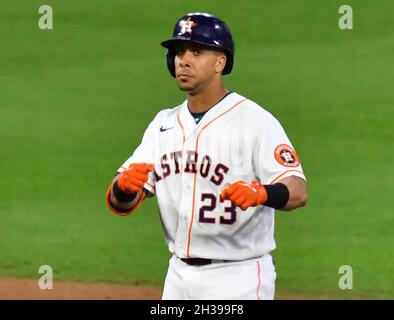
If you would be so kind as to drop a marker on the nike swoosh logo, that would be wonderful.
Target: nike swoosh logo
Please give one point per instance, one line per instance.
(165, 129)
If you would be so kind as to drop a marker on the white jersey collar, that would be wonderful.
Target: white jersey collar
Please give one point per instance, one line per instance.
(187, 121)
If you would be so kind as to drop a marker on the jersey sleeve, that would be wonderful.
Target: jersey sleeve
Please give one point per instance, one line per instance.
(145, 153)
(274, 156)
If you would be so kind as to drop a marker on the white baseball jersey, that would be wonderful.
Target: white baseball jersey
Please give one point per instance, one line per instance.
(235, 140)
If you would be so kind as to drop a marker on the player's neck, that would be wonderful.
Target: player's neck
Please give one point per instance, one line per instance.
(204, 100)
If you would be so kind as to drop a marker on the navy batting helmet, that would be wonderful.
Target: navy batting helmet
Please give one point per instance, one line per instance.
(202, 28)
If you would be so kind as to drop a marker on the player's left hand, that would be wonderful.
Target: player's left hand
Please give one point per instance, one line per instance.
(244, 194)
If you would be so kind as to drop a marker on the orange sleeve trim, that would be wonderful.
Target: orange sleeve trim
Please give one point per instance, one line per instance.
(282, 174)
(150, 185)
(122, 214)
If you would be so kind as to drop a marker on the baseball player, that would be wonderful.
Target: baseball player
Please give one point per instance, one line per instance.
(219, 165)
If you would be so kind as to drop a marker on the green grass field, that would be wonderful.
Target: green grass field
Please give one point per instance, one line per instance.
(74, 102)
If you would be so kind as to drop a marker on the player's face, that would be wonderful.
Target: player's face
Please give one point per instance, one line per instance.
(196, 66)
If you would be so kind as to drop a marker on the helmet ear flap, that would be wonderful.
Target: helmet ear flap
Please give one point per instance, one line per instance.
(229, 64)
(171, 61)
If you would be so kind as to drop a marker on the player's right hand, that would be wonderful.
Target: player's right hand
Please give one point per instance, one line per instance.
(134, 177)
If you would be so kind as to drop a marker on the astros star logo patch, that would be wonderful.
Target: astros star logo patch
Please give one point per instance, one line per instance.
(187, 25)
(286, 156)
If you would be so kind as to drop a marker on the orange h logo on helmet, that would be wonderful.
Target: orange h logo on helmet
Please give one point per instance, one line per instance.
(187, 25)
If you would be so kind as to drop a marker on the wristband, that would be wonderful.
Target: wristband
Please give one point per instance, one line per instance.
(277, 195)
(122, 196)
(119, 210)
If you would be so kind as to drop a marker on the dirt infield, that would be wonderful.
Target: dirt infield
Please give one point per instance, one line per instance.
(27, 289)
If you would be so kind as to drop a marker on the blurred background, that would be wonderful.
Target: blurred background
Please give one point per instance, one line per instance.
(75, 101)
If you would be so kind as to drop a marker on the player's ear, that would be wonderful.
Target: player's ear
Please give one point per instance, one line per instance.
(220, 63)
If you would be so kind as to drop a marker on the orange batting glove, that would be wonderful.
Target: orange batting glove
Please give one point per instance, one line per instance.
(134, 177)
(244, 194)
